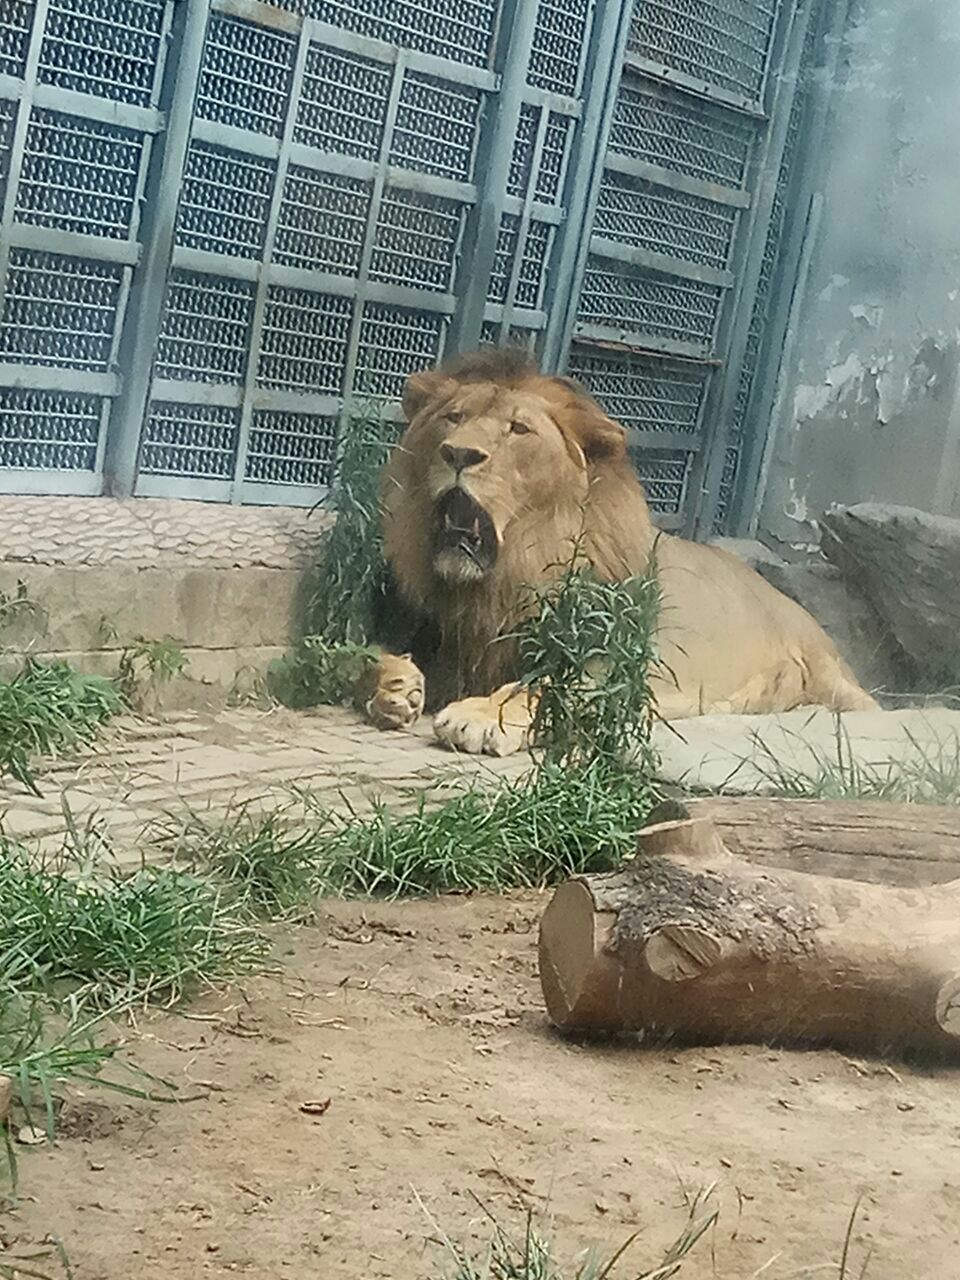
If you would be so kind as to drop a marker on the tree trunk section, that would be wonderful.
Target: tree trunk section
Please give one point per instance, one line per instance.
(690, 941)
(910, 845)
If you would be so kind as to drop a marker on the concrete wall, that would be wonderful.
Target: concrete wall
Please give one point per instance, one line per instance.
(869, 403)
(228, 584)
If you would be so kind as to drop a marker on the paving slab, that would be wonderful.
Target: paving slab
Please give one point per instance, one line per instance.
(140, 771)
(748, 754)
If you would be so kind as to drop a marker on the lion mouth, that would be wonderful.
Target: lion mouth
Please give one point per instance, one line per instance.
(464, 537)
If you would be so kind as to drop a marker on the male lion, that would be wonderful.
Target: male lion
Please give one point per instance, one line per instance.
(500, 472)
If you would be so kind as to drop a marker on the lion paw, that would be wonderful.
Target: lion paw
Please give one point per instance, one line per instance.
(392, 692)
(492, 726)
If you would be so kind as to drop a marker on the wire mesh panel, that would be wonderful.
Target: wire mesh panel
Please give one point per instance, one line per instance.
(720, 43)
(69, 240)
(537, 199)
(661, 403)
(672, 219)
(344, 181)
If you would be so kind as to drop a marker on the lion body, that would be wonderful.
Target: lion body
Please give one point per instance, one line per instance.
(501, 473)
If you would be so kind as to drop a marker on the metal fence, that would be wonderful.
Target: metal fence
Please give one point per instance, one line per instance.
(222, 221)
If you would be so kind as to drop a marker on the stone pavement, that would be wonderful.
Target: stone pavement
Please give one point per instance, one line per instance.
(142, 770)
(746, 754)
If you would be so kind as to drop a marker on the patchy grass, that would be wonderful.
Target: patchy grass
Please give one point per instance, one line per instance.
(146, 666)
(318, 673)
(589, 652)
(110, 937)
(350, 570)
(529, 1255)
(46, 709)
(556, 824)
(933, 777)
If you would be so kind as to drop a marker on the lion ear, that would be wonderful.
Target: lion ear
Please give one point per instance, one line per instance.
(597, 437)
(420, 389)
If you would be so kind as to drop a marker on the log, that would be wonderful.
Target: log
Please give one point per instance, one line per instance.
(691, 941)
(902, 844)
(907, 565)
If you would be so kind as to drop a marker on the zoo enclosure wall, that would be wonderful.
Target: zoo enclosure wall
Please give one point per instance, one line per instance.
(225, 224)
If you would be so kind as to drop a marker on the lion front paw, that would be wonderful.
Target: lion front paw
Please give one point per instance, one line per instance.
(392, 692)
(494, 726)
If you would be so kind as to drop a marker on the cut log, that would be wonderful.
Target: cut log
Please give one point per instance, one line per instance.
(907, 564)
(898, 844)
(691, 941)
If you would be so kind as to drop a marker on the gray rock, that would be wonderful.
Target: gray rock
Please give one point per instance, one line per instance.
(907, 565)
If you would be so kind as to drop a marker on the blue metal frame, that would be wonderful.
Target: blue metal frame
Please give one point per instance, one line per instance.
(329, 205)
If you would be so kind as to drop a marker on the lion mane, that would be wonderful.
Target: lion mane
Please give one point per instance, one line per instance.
(502, 471)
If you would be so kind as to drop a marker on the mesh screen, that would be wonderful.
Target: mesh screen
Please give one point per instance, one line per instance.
(59, 311)
(664, 477)
(343, 103)
(766, 292)
(224, 201)
(458, 29)
(108, 48)
(15, 36)
(722, 42)
(436, 127)
(664, 221)
(322, 221)
(416, 240)
(78, 175)
(199, 441)
(8, 115)
(304, 342)
(395, 342)
(246, 76)
(642, 392)
(661, 127)
(559, 45)
(618, 296)
(292, 448)
(205, 328)
(49, 430)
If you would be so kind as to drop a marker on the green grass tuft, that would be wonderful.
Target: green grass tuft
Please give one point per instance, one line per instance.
(556, 824)
(932, 777)
(318, 673)
(589, 652)
(529, 1255)
(114, 937)
(48, 708)
(350, 571)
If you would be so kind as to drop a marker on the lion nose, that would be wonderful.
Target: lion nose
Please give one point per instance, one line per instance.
(462, 458)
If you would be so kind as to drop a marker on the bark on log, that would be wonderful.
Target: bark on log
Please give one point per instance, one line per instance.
(898, 844)
(907, 564)
(693, 942)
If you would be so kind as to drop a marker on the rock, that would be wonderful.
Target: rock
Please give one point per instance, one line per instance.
(907, 565)
(863, 639)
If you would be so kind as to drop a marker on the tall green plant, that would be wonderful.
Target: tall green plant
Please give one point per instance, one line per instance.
(590, 652)
(351, 568)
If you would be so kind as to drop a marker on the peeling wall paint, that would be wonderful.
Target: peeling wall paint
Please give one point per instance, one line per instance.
(871, 411)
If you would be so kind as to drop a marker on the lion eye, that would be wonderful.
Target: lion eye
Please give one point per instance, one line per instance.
(519, 429)
(454, 418)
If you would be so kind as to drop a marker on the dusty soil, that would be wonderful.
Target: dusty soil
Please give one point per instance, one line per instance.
(422, 1025)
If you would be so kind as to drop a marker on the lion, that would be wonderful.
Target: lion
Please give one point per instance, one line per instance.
(500, 472)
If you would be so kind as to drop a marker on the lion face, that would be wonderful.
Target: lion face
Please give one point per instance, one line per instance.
(489, 457)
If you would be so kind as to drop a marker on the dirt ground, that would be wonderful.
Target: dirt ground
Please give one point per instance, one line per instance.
(422, 1024)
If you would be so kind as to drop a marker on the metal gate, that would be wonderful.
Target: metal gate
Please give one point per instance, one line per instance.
(225, 221)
